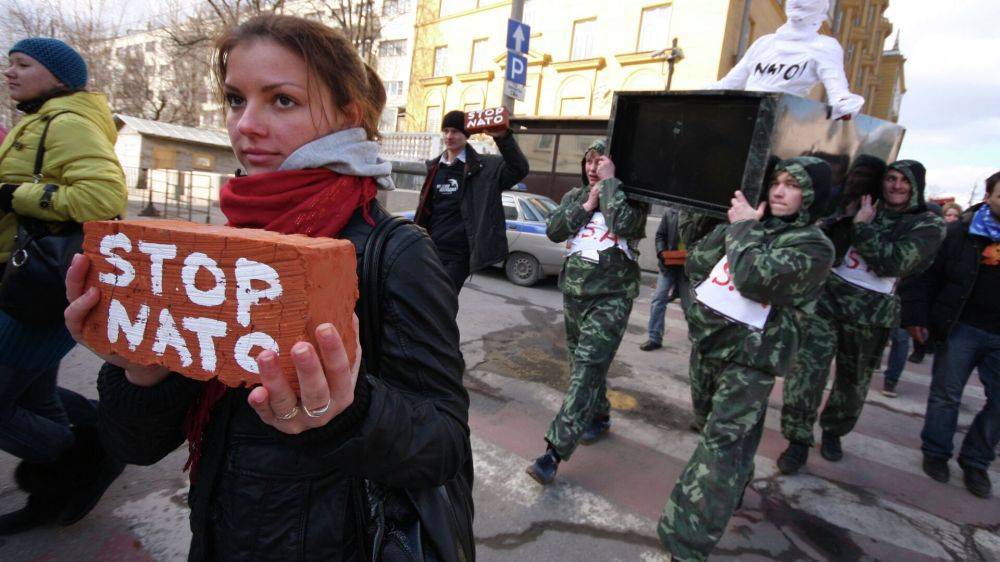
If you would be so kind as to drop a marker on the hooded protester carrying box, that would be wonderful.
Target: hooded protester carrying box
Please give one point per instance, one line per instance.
(693, 149)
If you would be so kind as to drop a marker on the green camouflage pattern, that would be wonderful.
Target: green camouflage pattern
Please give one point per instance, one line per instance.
(707, 492)
(780, 263)
(857, 348)
(733, 366)
(614, 273)
(852, 324)
(594, 329)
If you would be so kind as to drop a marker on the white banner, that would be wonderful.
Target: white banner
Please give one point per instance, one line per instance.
(718, 293)
(595, 237)
(855, 271)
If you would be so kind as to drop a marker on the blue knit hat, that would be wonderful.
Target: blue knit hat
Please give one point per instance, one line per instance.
(62, 60)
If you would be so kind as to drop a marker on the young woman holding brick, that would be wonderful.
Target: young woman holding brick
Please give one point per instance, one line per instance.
(274, 474)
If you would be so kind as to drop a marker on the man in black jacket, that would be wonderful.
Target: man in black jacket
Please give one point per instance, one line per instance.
(460, 202)
(959, 309)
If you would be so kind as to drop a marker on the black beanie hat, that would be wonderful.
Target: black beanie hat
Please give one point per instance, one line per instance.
(456, 120)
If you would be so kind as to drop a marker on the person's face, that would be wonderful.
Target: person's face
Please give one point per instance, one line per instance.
(785, 196)
(896, 190)
(28, 79)
(590, 166)
(454, 140)
(951, 215)
(993, 200)
(273, 107)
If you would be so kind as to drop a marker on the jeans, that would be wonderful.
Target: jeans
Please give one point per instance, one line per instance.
(967, 348)
(35, 415)
(898, 352)
(658, 308)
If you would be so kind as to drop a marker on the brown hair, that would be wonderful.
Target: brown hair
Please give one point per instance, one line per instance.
(328, 55)
(950, 206)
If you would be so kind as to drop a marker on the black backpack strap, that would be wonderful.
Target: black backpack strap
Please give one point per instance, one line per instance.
(40, 154)
(370, 306)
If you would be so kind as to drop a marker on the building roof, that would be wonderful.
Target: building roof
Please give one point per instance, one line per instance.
(173, 132)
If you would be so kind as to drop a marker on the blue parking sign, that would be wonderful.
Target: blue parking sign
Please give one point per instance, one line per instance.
(517, 68)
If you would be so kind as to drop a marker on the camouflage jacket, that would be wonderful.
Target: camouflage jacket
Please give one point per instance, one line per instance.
(895, 244)
(783, 264)
(615, 272)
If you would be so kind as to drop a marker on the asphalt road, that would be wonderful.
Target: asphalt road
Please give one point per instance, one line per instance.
(876, 504)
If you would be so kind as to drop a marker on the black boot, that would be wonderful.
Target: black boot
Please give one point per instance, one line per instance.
(44, 502)
(93, 469)
(937, 468)
(543, 470)
(595, 430)
(794, 458)
(830, 448)
(977, 480)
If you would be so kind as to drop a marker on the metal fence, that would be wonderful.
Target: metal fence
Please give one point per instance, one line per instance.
(178, 194)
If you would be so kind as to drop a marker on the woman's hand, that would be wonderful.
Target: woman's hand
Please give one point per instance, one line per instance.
(605, 168)
(867, 210)
(593, 198)
(80, 304)
(326, 383)
(742, 211)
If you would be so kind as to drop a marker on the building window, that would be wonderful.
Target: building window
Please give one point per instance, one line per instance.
(441, 61)
(393, 8)
(432, 121)
(849, 55)
(151, 46)
(479, 60)
(654, 28)
(528, 16)
(838, 21)
(584, 37)
(393, 88)
(394, 48)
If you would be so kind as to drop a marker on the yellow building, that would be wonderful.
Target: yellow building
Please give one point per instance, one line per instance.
(581, 51)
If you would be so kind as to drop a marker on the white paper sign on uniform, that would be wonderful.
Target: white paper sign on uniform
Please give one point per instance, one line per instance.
(595, 237)
(855, 271)
(719, 294)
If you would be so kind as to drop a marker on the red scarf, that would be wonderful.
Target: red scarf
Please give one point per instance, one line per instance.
(316, 202)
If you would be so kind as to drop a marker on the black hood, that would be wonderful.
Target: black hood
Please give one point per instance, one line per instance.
(917, 175)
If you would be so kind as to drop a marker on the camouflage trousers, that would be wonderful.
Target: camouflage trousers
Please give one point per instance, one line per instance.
(705, 496)
(594, 329)
(857, 349)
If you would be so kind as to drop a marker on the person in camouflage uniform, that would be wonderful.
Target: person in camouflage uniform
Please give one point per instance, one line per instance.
(599, 280)
(896, 238)
(775, 255)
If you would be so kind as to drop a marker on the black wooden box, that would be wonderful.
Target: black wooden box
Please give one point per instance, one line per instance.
(692, 149)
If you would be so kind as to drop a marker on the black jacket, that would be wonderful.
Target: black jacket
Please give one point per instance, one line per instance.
(667, 237)
(486, 177)
(937, 298)
(259, 494)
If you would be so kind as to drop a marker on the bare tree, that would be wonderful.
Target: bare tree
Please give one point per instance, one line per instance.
(358, 19)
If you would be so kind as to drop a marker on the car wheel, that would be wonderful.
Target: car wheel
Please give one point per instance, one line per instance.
(523, 269)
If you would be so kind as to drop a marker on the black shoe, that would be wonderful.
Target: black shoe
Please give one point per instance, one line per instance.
(650, 345)
(597, 428)
(543, 470)
(793, 458)
(937, 469)
(830, 448)
(889, 389)
(91, 469)
(916, 357)
(38, 512)
(976, 480)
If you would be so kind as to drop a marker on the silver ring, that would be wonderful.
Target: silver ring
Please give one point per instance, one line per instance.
(291, 414)
(318, 411)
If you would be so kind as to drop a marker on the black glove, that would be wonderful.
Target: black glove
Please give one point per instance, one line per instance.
(7, 197)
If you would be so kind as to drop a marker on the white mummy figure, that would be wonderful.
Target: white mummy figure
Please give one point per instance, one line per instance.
(794, 59)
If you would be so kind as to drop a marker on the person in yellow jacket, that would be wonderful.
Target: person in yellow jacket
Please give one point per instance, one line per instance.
(65, 470)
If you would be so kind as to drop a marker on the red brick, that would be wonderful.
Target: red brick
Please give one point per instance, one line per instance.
(317, 276)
